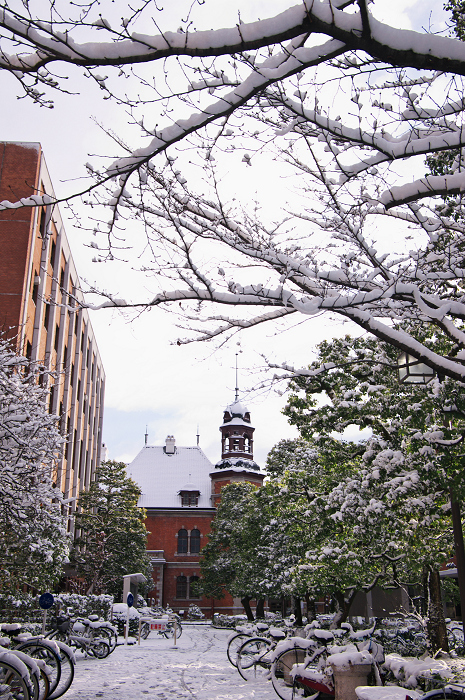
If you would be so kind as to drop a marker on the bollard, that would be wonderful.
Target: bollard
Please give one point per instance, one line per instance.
(350, 670)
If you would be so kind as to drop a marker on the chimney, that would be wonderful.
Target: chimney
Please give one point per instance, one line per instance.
(170, 442)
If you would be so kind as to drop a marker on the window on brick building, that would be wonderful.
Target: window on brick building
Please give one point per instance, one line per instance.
(189, 498)
(52, 253)
(42, 220)
(183, 541)
(35, 286)
(195, 541)
(46, 316)
(181, 587)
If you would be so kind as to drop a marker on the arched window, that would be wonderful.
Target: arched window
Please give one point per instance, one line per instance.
(181, 587)
(192, 592)
(182, 542)
(195, 541)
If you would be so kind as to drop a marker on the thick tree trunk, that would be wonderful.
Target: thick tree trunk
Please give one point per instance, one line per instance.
(435, 621)
(343, 603)
(298, 612)
(260, 611)
(311, 608)
(248, 610)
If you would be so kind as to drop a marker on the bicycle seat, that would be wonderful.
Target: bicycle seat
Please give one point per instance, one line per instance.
(276, 633)
(261, 626)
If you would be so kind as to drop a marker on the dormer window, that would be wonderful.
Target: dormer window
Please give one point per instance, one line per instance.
(189, 498)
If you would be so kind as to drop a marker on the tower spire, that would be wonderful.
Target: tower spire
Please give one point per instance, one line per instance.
(146, 434)
(237, 382)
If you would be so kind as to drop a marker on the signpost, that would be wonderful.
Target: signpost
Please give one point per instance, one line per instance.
(130, 603)
(46, 601)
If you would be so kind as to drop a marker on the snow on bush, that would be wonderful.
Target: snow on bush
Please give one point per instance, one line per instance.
(25, 609)
(194, 612)
(119, 617)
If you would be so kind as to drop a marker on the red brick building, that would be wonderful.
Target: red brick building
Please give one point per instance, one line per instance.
(39, 311)
(180, 489)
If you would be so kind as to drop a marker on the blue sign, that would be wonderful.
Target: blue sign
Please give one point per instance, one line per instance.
(130, 600)
(46, 601)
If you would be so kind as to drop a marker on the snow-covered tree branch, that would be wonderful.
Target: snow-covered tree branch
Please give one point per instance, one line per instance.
(340, 106)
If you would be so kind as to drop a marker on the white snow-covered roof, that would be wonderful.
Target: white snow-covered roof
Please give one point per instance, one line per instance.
(237, 407)
(236, 421)
(238, 464)
(162, 476)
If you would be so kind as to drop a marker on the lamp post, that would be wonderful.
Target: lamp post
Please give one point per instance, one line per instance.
(413, 371)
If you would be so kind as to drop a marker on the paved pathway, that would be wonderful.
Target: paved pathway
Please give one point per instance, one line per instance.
(197, 670)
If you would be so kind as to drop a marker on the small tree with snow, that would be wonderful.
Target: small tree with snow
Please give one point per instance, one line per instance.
(33, 537)
(112, 537)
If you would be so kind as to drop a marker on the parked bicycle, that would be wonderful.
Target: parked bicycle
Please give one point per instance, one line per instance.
(254, 656)
(168, 632)
(52, 661)
(241, 635)
(15, 680)
(91, 637)
(300, 669)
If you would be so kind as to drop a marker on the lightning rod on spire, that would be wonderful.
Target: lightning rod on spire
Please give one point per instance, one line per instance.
(237, 382)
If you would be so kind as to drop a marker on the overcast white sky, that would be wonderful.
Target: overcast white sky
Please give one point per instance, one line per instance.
(149, 381)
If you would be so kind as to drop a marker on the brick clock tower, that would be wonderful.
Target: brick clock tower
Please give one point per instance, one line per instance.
(237, 462)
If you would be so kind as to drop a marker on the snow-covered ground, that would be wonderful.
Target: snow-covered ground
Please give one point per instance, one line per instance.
(197, 669)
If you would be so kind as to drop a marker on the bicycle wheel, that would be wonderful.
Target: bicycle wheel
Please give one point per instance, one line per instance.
(44, 681)
(169, 632)
(145, 630)
(253, 659)
(47, 652)
(234, 645)
(14, 681)
(36, 691)
(67, 661)
(111, 637)
(281, 675)
(100, 649)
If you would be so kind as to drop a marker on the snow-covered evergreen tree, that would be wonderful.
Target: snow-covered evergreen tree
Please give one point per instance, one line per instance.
(112, 537)
(33, 536)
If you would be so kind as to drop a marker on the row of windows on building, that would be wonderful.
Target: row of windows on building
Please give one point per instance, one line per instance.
(185, 587)
(189, 544)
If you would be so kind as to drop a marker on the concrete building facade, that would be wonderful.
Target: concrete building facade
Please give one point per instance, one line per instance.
(40, 312)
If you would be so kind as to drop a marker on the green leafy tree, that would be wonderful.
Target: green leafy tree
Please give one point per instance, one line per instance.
(339, 554)
(112, 536)
(33, 540)
(230, 548)
(394, 505)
